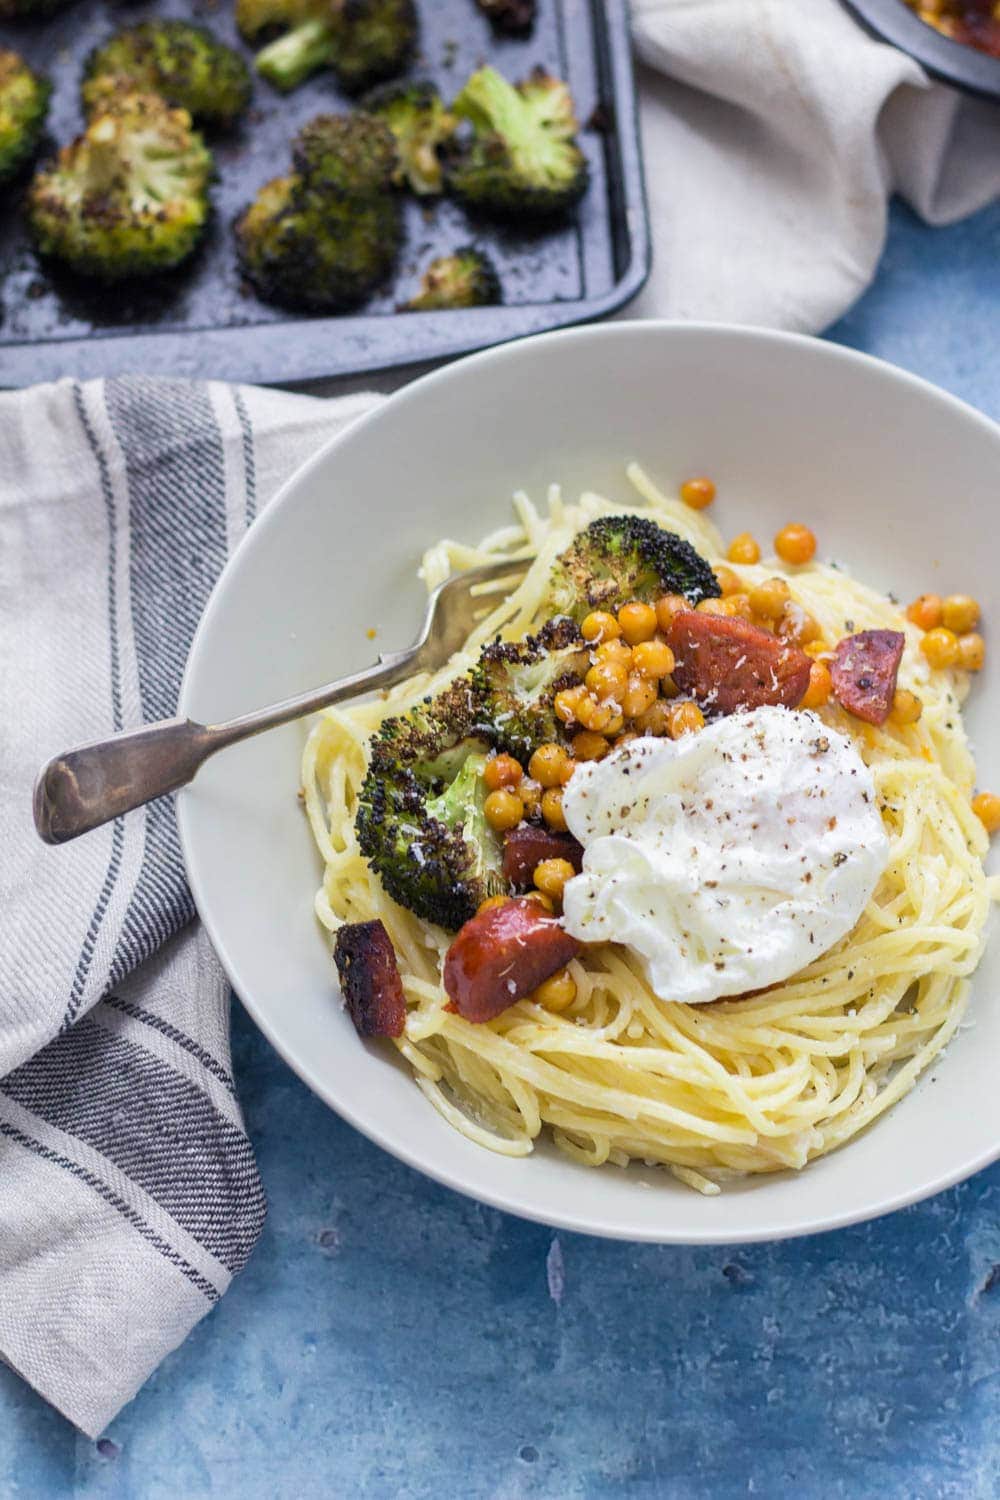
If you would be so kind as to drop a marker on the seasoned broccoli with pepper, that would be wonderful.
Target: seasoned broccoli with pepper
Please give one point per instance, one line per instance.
(24, 103)
(466, 278)
(620, 558)
(326, 235)
(515, 683)
(421, 822)
(521, 158)
(417, 117)
(363, 41)
(184, 64)
(420, 819)
(129, 196)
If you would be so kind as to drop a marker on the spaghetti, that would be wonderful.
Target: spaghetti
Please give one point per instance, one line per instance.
(749, 1085)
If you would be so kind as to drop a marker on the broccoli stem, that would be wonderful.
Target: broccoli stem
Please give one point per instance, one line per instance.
(289, 60)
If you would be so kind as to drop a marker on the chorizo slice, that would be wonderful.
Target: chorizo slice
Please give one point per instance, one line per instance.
(503, 954)
(728, 664)
(864, 671)
(526, 846)
(370, 979)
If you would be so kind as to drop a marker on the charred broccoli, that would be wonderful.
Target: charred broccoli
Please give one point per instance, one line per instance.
(363, 41)
(24, 102)
(514, 684)
(510, 17)
(619, 558)
(522, 157)
(351, 154)
(326, 235)
(420, 819)
(129, 196)
(182, 63)
(466, 278)
(417, 117)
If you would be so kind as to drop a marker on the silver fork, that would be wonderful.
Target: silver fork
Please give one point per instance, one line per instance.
(88, 786)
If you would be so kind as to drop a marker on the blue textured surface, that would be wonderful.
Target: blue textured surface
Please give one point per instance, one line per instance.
(392, 1339)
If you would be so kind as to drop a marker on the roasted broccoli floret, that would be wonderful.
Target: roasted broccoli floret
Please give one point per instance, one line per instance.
(521, 158)
(182, 63)
(24, 102)
(326, 235)
(619, 558)
(420, 820)
(417, 117)
(515, 683)
(363, 41)
(129, 196)
(466, 278)
(351, 154)
(510, 17)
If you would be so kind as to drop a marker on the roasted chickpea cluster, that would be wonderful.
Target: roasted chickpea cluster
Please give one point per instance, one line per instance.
(950, 637)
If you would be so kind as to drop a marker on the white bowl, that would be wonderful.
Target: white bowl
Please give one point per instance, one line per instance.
(898, 480)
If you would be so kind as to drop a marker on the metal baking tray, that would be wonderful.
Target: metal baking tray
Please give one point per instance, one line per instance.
(202, 320)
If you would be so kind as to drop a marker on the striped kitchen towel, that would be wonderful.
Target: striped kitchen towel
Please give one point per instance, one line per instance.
(129, 1194)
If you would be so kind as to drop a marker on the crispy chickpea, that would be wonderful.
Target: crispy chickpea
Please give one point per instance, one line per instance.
(501, 771)
(607, 679)
(653, 659)
(552, 809)
(906, 707)
(616, 650)
(593, 715)
(599, 625)
(795, 544)
(960, 613)
(547, 764)
(698, 493)
(551, 875)
(714, 607)
(925, 611)
(668, 687)
(940, 646)
(503, 810)
(530, 793)
(971, 652)
(740, 606)
(615, 726)
(542, 900)
(640, 694)
(566, 702)
(820, 686)
(744, 549)
(768, 599)
(987, 809)
(668, 606)
(728, 581)
(625, 739)
(638, 622)
(685, 718)
(656, 719)
(590, 746)
(798, 625)
(557, 992)
(491, 902)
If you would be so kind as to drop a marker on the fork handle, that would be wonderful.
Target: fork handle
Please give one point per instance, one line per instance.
(86, 787)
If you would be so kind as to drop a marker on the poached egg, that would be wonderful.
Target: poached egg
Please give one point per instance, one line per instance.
(729, 859)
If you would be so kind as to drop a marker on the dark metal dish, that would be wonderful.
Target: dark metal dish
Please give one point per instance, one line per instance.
(950, 61)
(202, 320)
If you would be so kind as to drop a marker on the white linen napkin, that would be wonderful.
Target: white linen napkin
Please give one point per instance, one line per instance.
(774, 131)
